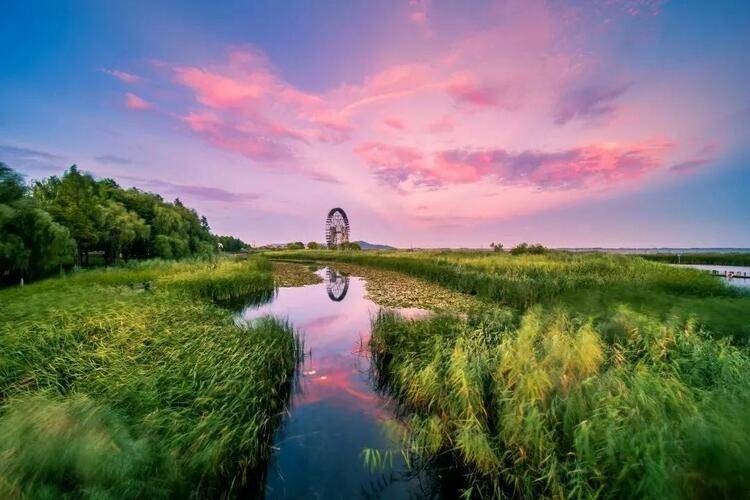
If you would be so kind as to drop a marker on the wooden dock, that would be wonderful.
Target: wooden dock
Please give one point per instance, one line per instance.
(730, 275)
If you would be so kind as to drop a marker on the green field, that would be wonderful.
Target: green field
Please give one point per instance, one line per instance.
(132, 382)
(583, 375)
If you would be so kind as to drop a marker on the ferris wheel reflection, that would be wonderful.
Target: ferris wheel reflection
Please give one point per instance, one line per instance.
(337, 285)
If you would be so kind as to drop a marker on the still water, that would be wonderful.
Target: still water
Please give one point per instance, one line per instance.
(335, 413)
(738, 270)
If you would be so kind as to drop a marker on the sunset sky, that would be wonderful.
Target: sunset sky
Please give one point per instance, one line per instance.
(432, 123)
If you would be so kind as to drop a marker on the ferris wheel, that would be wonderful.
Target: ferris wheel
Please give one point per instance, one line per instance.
(337, 228)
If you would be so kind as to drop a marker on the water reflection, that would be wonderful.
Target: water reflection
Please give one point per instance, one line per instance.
(335, 411)
(337, 285)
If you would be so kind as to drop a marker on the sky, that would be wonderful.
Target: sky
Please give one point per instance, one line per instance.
(597, 123)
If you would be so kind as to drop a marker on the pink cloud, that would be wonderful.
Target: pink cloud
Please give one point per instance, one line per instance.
(419, 12)
(250, 110)
(132, 101)
(443, 124)
(394, 164)
(395, 123)
(465, 92)
(396, 82)
(122, 75)
(255, 140)
(599, 164)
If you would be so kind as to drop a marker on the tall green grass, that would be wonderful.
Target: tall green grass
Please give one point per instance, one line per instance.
(709, 258)
(591, 282)
(585, 375)
(523, 280)
(132, 383)
(550, 403)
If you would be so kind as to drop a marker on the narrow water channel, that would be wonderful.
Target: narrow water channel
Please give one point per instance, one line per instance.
(335, 412)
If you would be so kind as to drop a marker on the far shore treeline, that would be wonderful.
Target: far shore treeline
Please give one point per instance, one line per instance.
(75, 219)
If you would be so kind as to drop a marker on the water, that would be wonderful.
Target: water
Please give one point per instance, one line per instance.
(745, 283)
(335, 413)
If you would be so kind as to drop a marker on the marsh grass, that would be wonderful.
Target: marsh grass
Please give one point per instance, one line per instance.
(709, 258)
(551, 403)
(132, 382)
(594, 282)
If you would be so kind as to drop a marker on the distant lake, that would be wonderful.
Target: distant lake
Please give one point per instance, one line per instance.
(745, 283)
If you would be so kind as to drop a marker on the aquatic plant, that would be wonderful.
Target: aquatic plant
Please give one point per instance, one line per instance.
(550, 403)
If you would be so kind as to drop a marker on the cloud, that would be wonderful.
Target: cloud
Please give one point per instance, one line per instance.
(393, 165)
(257, 140)
(598, 164)
(206, 193)
(30, 159)
(642, 7)
(122, 75)
(418, 11)
(394, 123)
(443, 124)
(132, 101)
(419, 15)
(464, 89)
(113, 160)
(689, 166)
(593, 101)
(246, 108)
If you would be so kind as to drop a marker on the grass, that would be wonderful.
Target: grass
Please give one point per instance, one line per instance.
(584, 375)
(131, 382)
(708, 258)
(548, 403)
(590, 283)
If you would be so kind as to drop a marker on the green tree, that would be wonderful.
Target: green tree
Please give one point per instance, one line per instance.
(32, 245)
(119, 229)
(231, 244)
(72, 200)
(314, 245)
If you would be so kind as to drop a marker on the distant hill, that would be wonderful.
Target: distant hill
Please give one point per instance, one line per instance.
(373, 246)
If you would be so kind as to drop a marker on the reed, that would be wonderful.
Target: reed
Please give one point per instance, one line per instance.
(549, 403)
(132, 382)
(709, 258)
(590, 283)
(582, 375)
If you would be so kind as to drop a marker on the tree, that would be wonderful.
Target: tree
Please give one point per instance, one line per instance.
(314, 245)
(496, 247)
(12, 187)
(525, 248)
(350, 245)
(296, 245)
(73, 202)
(119, 229)
(32, 245)
(231, 244)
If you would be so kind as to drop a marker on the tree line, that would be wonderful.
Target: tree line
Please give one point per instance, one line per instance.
(62, 221)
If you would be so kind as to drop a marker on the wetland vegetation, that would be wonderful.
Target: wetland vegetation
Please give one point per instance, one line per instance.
(555, 375)
(576, 375)
(131, 382)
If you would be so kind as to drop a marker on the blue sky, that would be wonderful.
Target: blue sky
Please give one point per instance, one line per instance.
(617, 123)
